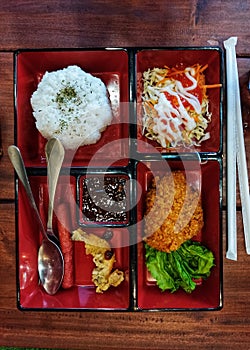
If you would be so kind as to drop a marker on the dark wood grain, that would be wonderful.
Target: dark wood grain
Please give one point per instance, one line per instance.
(78, 23)
(7, 124)
(81, 23)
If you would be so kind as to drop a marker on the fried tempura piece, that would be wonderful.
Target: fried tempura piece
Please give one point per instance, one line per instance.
(103, 275)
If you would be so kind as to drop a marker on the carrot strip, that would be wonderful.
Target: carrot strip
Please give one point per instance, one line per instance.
(162, 81)
(211, 86)
(203, 68)
(149, 104)
(176, 72)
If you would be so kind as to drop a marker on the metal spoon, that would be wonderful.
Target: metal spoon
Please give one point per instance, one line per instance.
(54, 155)
(54, 152)
(50, 258)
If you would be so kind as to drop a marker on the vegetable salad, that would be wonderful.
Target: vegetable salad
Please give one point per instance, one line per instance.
(175, 105)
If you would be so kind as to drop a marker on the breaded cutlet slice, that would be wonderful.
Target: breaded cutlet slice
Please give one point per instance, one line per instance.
(173, 213)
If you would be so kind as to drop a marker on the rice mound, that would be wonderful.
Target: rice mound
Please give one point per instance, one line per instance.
(71, 105)
(159, 227)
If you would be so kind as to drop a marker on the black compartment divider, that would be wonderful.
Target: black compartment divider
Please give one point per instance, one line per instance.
(133, 246)
(133, 162)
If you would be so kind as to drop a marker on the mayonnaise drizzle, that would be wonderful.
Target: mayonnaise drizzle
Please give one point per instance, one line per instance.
(172, 119)
(167, 120)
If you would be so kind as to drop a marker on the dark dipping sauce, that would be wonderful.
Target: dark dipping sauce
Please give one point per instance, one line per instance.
(104, 199)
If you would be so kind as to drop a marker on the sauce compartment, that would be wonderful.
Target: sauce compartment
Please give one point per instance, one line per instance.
(104, 199)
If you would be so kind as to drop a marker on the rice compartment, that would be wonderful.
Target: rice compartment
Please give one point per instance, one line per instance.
(71, 105)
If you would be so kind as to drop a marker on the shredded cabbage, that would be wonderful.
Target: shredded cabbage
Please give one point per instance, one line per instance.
(172, 113)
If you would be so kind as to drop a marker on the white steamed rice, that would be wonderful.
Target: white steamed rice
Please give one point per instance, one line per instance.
(71, 105)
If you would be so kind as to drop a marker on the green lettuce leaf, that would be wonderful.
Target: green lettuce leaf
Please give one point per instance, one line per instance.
(198, 259)
(181, 267)
(156, 263)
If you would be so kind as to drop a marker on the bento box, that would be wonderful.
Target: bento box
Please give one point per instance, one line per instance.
(104, 187)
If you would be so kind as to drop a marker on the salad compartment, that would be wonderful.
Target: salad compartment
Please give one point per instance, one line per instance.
(178, 59)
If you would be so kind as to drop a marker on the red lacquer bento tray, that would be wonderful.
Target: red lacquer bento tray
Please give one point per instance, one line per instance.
(120, 70)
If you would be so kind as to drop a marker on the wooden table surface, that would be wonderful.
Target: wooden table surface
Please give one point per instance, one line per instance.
(89, 24)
